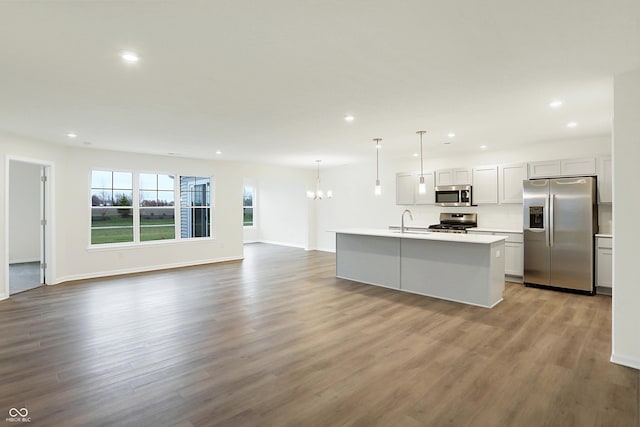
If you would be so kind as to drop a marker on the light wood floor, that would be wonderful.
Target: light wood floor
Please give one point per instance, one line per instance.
(277, 340)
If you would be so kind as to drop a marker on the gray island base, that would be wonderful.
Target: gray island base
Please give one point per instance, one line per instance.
(465, 268)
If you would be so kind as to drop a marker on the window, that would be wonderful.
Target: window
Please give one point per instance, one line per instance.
(195, 206)
(157, 211)
(132, 208)
(247, 206)
(111, 207)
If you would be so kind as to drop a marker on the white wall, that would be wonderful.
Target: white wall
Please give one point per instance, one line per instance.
(24, 212)
(355, 205)
(284, 216)
(283, 209)
(626, 275)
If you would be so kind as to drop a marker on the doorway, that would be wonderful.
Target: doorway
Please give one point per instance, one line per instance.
(28, 212)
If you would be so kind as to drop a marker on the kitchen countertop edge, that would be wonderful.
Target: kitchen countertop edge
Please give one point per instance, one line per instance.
(442, 237)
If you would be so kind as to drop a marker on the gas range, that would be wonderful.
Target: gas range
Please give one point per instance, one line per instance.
(455, 223)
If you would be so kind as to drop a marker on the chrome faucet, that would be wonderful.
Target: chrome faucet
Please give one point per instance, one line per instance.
(402, 220)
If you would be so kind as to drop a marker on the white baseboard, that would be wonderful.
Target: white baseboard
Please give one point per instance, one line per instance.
(291, 245)
(621, 359)
(22, 261)
(99, 274)
(332, 250)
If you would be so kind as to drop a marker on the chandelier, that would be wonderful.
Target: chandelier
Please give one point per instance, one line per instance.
(318, 194)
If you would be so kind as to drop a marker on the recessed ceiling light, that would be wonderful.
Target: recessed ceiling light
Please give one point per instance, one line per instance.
(572, 124)
(415, 154)
(556, 103)
(130, 57)
(349, 118)
(451, 135)
(218, 152)
(483, 147)
(72, 135)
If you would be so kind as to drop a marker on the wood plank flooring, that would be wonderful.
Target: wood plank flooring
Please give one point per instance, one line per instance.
(277, 340)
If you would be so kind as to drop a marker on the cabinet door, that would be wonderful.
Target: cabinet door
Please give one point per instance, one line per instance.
(405, 185)
(513, 259)
(510, 179)
(544, 169)
(604, 262)
(444, 177)
(603, 265)
(605, 194)
(428, 198)
(462, 176)
(485, 185)
(586, 166)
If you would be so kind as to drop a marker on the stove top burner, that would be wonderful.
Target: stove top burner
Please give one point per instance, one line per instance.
(454, 223)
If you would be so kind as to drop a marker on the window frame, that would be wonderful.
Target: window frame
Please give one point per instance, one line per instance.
(91, 207)
(193, 208)
(157, 190)
(136, 209)
(253, 204)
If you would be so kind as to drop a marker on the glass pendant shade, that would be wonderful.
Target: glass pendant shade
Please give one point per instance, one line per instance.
(422, 187)
(378, 188)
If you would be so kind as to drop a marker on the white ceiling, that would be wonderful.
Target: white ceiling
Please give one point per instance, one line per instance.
(270, 81)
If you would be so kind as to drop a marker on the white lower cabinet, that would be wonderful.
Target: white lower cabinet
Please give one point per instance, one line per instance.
(513, 254)
(604, 254)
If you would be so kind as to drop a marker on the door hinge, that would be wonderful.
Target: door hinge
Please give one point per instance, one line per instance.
(43, 265)
(43, 222)
(43, 178)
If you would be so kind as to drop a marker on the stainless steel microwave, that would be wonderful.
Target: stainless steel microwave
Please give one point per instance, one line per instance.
(454, 195)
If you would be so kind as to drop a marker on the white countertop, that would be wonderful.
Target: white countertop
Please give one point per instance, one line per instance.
(604, 235)
(496, 230)
(442, 237)
(482, 229)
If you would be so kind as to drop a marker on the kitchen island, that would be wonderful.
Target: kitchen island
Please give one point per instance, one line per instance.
(464, 268)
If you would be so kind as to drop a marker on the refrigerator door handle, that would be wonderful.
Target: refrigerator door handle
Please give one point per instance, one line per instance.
(551, 225)
(546, 222)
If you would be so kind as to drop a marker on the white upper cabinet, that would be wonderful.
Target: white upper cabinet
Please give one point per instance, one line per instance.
(510, 179)
(429, 197)
(605, 194)
(586, 166)
(405, 188)
(544, 169)
(456, 176)
(485, 185)
(565, 167)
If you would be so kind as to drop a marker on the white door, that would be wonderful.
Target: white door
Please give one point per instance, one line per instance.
(27, 255)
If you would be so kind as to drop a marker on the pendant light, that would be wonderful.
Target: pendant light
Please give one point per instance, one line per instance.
(318, 194)
(378, 188)
(422, 188)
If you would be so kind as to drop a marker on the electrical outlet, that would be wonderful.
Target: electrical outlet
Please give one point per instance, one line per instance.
(498, 254)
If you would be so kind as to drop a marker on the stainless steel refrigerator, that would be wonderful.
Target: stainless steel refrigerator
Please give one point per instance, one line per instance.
(560, 221)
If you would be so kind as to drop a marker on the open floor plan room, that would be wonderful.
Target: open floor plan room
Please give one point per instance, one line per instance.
(277, 339)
